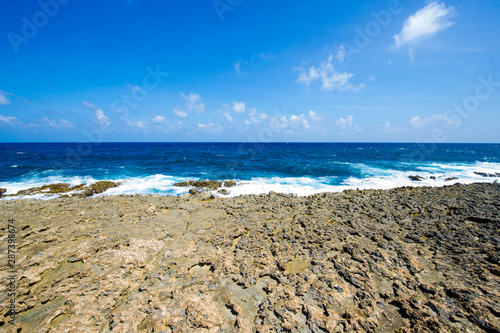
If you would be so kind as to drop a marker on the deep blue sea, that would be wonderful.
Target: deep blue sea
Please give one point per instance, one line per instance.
(300, 168)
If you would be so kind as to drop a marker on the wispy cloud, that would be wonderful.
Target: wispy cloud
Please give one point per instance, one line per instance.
(314, 116)
(330, 79)
(390, 129)
(411, 54)
(210, 127)
(11, 121)
(88, 104)
(101, 118)
(141, 124)
(192, 104)
(3, 99)
(340, 53)
(347, 125)
(56, 124)
(256, 57)
(289, 124)
(425, 23)
(225, 113)
(418, 122)
(237, 66)
(345, 122)
(254, 117)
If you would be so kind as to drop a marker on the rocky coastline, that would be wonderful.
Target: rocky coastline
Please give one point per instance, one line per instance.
(423, 259)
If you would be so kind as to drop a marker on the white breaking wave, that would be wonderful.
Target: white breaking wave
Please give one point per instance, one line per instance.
(372, 178)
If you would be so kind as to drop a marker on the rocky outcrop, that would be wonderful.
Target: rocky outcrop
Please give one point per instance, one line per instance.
(203, 186)
(484, 174)
(63, 189)
(403, 260)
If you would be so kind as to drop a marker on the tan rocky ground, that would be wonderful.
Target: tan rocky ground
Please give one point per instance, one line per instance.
(409, 259)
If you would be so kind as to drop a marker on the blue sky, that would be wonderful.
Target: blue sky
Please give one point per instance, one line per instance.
(240, 70)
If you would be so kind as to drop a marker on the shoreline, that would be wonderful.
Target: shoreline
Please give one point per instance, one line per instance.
(398, 260)
(221, 189)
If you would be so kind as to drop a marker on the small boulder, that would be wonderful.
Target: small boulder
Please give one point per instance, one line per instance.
(2, 191)
(416, 178)
(450, 179)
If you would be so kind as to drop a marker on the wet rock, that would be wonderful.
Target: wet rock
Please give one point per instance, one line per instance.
(416, 178)
(229, 183)
(99, 187)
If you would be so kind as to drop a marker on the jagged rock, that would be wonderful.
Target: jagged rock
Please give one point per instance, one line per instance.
(229, 183)
(416, 178)
(99, 187)
(205, 185)
(2, 191)
(400, 260)
(484, 174)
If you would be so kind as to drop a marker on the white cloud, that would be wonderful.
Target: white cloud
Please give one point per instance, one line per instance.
(12, 121)
(256, 57)
(344, 122)
(340, 55)
(411, 54)
(62, 124)
(158, 119)
(3, 99)
(180, 113)
(137, 124)
(101, 118)
(387, 128)
(329, 78)
(425, 23)
(314, 116)
(239, 107)
(210, 127)
(418, 122)
(90, 105)
(193, 103)
(99, 114)
(289, 123)
(66, 123)
(255, 117)
(237, 66)
(228, 116)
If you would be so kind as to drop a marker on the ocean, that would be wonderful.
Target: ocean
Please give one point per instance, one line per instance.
(298, 168)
